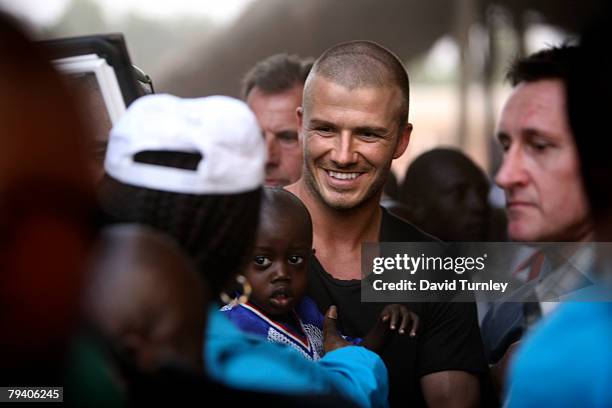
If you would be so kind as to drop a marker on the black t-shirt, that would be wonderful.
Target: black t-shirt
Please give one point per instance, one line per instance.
(448, 337)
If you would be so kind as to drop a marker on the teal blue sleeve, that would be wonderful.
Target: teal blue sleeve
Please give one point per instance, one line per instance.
(248, 362)
(361, 368)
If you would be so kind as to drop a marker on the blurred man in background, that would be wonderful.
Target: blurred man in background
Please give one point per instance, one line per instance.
(446, 194)
(273, 90)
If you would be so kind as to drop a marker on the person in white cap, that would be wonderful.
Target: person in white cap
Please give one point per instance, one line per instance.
(195, 169)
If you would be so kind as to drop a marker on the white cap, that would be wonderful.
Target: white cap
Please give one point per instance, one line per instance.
(222, 129)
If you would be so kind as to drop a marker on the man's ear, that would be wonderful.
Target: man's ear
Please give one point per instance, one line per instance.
(299, 113)
(404, 139)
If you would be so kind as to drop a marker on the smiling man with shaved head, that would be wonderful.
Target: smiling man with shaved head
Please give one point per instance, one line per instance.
(354, 123)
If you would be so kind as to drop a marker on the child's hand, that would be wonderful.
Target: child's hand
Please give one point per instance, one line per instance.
(399, 314)
(331, 339)
(392, 317)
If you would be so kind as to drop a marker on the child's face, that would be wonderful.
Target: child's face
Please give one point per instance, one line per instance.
(278, 268)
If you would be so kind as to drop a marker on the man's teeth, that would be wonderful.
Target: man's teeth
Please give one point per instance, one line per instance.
(343, 176)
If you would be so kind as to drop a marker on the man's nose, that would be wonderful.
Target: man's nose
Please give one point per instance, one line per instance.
(512, 171)
(343, 154)
(273, 149)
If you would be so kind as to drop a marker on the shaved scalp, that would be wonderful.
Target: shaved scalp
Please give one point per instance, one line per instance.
(362, 64)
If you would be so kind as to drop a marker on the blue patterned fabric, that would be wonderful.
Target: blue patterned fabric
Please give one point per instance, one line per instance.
(307, 339)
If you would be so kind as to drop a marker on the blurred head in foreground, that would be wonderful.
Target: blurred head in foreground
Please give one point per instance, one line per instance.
(46, 201)
(146, 296)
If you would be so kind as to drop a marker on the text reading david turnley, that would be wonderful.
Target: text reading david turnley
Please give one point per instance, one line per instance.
(413, 265)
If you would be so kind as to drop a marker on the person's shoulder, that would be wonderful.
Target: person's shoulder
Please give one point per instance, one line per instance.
(235, 313)
(243, 317)
(581, 331)
(583, 317)
(231, 310)
(395, 229)
(307, 303)
(308, 311)
(590, 336)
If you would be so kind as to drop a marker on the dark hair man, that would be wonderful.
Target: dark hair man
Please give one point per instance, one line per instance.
(540, 175)
(273, 90)
(354, 122)
(573, 367)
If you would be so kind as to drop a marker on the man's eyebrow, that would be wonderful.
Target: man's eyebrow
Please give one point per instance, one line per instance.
(532, 132)
(360, 129)
(372, 129)
(319, 122)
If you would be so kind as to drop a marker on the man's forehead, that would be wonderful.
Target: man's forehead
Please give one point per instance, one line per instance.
(287, 99)
(322, 85)
(323, 93)
(533, 107)
(276, 112)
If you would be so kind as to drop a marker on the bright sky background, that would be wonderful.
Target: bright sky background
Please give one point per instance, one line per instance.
(46, 12)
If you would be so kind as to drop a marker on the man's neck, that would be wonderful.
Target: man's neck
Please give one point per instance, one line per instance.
(559, 251)
(338, 234)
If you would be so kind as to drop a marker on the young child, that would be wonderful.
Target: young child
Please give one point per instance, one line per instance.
(277, 308)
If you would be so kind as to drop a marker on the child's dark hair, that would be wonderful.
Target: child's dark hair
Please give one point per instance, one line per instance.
(217, 230)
